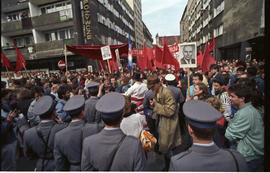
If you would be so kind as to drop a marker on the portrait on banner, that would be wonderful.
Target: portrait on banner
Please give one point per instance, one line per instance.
(188, 55)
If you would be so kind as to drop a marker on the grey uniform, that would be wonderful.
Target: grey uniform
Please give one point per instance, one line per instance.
(91, 114)
(34, 148)
(207, 158)
(67, 145)
(177, 94)
(98, 149)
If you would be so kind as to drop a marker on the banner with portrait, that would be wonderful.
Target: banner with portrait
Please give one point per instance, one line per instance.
(188, 55)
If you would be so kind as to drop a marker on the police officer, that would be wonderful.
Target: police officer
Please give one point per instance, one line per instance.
(111, 149)
(204, 154)
(39, 140)
(91, 114)
(68, 142)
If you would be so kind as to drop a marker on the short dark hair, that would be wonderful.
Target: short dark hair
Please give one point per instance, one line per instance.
(62, 90)
(241, 69)
(38, 89)
(203, 133)
(112, 121)
(241, 63)
(199, 75)
(241, 90)
(252, 71)
(93, 92)
(214, 66)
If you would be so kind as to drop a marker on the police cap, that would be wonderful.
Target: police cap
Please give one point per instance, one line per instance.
(111, 105)
(74, 105)
(201, 114)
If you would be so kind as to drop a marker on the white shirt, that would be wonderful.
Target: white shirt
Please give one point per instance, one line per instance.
(137, 90)
(133, 124)
(204, 145)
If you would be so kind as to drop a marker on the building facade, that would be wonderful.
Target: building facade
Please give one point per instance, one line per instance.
(238, 27)
(41, 28)
(148, 40)
(136, 6)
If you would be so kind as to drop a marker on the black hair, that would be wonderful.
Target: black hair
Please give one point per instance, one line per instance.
(62, 90)
(93, 92)
(203, 133)
(214, 66)
(200, 76)
(219, 79)
(241, 63)
(241, 69)
(38, 89)
(241, 90)
(112, 121)
(252, 71)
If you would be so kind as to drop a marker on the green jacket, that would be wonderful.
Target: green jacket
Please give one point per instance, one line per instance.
(167, 110)
(247, 129)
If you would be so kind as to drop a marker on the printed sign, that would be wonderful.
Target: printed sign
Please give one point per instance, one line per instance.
(106, 52)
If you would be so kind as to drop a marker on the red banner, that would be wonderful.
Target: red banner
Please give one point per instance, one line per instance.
(137, 52)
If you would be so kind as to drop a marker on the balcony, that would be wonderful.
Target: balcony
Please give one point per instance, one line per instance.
(40, 51)
(11, 53)
(51, 21)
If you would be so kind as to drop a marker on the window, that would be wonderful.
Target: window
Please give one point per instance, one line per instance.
(24, 41)
(62, 35)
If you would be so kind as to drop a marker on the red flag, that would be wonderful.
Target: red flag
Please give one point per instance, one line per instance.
(200, 59)
(20, 62)
(212, 44)
(208, 59)
(158, 57)
(168, 58)
(141, 62)
(148, 57)
(5, 62)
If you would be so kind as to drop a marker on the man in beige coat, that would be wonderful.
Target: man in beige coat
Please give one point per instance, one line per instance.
(167, 111)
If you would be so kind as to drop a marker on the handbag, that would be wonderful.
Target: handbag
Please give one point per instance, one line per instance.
(148, 140)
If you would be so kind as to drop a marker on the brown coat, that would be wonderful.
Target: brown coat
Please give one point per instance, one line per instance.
(167, 109)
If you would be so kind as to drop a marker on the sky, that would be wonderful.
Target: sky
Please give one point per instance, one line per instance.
(163, 16)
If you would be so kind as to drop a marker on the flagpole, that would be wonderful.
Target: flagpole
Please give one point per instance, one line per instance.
(188, 82)
(109, 66)
(65, 52)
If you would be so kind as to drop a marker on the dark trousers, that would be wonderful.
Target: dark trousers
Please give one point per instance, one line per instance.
(255, 165)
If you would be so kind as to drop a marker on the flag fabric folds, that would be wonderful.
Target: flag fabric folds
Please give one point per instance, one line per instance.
(208, 59)
(158, 57)
(129, 54)
(168, 58)
(5, 62)
(20, 61)
(212, 44)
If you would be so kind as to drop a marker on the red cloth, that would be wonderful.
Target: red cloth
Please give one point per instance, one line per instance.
(148, 57)
(168, 58)
(94, 51)
(200, 59)
(208, 59)
(158, 57)
(5, 62)
(212, 44)
(20, 62)
(221, 121)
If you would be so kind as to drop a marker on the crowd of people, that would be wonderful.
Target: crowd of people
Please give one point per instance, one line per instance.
(93, 121)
